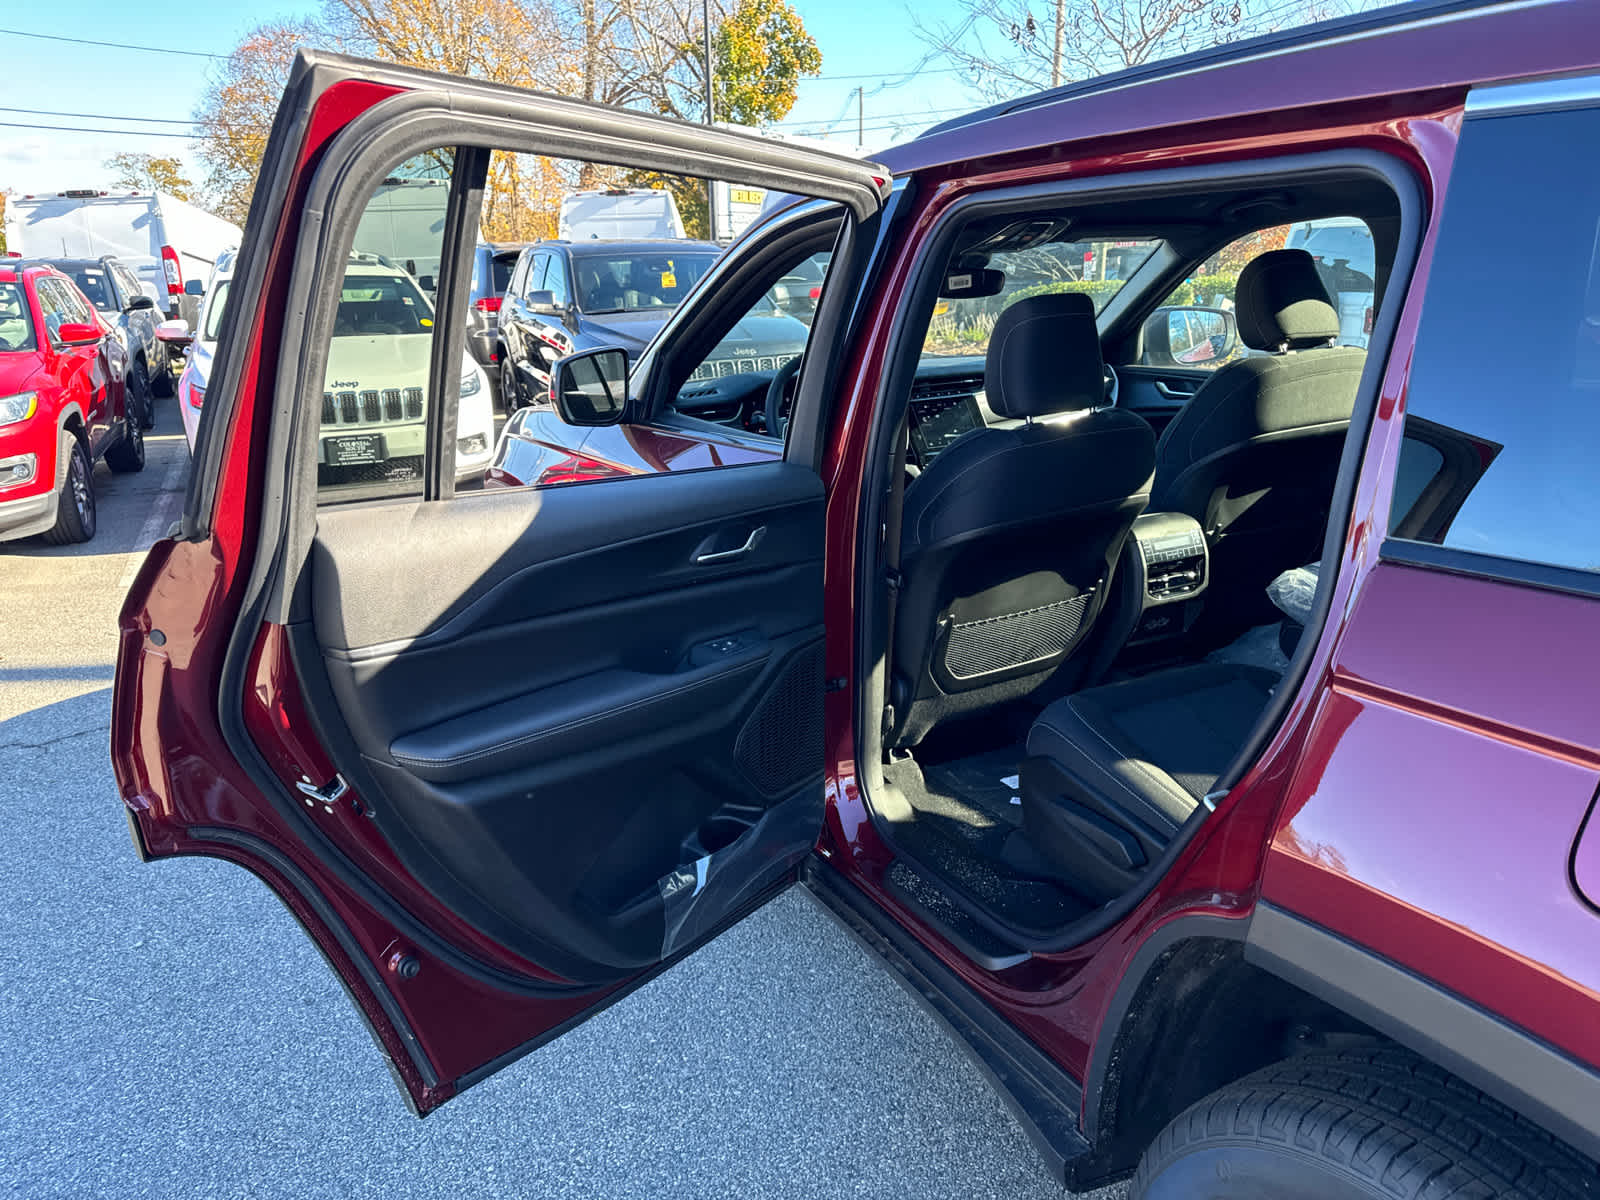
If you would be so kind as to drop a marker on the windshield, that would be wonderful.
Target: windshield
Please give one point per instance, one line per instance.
(636, 281)
(16, 327)
(214, 305)
(94, 283)
(962, 327)
(381, 305)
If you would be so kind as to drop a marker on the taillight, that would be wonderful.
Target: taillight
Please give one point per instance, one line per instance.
(487, 304)
(197, 395)
(169, 264)
(1366, 322)
(815, 293)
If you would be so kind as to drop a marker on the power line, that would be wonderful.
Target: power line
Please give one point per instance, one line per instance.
(86, 129)
(56, 37)
(46, 112)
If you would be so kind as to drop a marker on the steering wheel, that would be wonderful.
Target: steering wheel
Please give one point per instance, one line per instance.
(1113, 386)
(777, 417)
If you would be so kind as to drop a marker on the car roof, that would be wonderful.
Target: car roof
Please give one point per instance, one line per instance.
(20, 269)
(1408, 48)
(623, 245)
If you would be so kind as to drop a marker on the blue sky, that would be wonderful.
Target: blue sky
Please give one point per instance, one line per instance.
(858, 39)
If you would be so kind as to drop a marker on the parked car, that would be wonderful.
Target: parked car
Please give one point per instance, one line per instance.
(1229, 795)
(491, 273)
(161, 239)
(118, 296)
(64, 406)
(198, 345)
(564, 297)
(376, 379)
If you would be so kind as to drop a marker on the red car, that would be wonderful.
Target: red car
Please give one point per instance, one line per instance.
(63, 397)
(1211, 746)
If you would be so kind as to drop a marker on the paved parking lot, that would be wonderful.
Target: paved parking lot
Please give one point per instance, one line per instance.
(168, 1031)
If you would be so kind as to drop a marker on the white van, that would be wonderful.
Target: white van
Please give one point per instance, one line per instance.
(1346, 261)
(164, 240)
(404, 223)
(619, 214)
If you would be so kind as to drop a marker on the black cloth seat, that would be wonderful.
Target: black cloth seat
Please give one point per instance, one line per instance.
(1153, 747)
(1254, 455)
(1010, 535)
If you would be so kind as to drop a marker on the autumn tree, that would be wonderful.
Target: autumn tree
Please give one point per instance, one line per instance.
(1006, 48)
(149, 173)
(762, 53)
(237, 113)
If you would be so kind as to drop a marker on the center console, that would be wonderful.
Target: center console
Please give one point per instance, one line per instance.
(1170, 568)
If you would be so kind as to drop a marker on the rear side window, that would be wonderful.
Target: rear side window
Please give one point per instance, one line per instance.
(1503, 405)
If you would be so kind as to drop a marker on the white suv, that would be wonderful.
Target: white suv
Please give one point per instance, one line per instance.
(376, 382)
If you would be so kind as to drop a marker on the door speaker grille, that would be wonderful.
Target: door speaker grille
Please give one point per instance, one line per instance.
(780, 745)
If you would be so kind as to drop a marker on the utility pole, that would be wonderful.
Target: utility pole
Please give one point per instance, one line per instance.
(1055, 58)
(711, 186)
(861, 133)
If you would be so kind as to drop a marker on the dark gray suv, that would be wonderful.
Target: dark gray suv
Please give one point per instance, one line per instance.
(492, 263)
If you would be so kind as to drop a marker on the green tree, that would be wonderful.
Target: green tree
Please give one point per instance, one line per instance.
(762, 53)
(149, 173)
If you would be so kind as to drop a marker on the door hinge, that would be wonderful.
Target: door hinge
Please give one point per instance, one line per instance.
(329, 794)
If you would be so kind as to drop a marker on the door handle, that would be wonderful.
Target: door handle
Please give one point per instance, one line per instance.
(1172, 393)
(721, 556)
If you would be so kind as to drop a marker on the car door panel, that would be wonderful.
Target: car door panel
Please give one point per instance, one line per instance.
(1157, 394)
(554, 692)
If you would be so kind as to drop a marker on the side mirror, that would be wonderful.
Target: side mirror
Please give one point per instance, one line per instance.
(194, 287)
(140, 303)
(1189, 336)
(176, 334)
(73, 334)
(542, 300)
(590, 388)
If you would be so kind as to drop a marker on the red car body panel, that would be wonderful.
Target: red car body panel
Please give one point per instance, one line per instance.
(70, 381)
(1295, 829)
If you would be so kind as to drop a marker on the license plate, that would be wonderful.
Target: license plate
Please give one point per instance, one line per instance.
(355, 451)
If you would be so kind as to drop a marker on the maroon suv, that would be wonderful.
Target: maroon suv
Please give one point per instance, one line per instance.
(1197, 713)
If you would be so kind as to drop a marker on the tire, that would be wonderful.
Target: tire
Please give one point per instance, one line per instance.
(127, 456)
(510, 397)
(163, 382)
(75, 507)
(1354, 1126)
(140, 405)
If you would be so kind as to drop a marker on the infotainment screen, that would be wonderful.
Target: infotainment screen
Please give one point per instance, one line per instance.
(939, 420)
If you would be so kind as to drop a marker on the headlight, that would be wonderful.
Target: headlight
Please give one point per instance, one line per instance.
(18, 408)
(471, 383)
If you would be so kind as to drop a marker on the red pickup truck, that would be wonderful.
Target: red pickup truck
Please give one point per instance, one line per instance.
(63, 406)
(1211, 745)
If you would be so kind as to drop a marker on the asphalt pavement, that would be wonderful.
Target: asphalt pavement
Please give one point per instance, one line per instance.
(168, 1031)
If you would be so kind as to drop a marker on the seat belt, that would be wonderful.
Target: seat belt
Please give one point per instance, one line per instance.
(894, 507)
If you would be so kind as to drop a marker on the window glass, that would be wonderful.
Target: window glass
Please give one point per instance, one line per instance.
(1346, 261)
(375, 400)
(16, 323)
(59, 305)
(536, 273)
(215, 303)
(555, 281)
(127, 285)
(1503, 402)
(95, 283)
(634, 281)
(961, 326)
(519, 276)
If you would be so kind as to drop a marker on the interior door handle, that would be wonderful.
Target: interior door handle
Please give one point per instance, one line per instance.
(722, 556)
(1172, 393)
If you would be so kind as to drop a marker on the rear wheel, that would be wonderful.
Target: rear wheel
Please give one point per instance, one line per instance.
(127, 456)
(140, 406)
(1378, 1123)
(75, 509)
(509, 399)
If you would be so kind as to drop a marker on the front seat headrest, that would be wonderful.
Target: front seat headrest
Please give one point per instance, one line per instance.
(1280, 303)
(1044, 357)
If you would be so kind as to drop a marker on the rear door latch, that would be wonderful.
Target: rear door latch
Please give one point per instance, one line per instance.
(327, 795)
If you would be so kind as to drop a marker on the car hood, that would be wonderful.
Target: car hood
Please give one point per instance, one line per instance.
(17, 369)
(380, 361)
(630, 331)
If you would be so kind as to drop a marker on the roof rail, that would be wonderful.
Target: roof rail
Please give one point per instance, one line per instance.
(1409, 12)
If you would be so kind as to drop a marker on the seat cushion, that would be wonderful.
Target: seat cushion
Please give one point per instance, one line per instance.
(1155, 745)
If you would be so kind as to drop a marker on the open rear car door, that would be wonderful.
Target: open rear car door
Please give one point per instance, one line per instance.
(506, 754)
